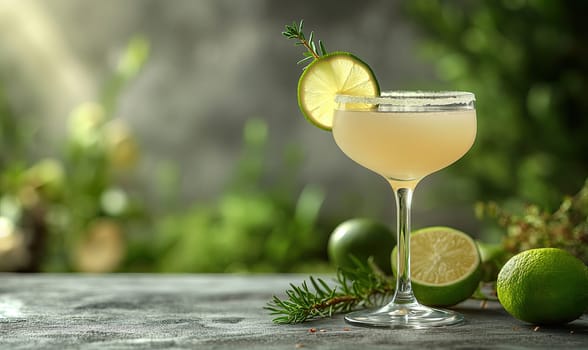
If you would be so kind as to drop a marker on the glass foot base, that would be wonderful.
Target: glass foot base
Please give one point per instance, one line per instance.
(404, 316)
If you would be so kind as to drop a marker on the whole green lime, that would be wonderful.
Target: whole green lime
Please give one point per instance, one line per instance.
(544, 286)
(361, 238)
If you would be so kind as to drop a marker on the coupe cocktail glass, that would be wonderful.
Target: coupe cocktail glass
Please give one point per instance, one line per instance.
(405, 136)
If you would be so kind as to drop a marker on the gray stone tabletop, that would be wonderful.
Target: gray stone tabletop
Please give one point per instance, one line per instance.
(137, 311)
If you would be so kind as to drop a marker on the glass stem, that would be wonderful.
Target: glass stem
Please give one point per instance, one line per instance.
(403, 294)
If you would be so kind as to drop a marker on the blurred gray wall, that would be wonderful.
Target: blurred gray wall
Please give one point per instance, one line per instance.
(214, 64)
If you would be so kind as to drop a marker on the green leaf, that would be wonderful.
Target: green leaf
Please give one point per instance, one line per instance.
(306, 59)
(322, 47)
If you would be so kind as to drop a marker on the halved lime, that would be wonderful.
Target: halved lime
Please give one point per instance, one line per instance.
(445, 265)
(329, 75)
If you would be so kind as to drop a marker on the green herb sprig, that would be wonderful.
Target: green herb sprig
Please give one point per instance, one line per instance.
(363, 286)
(314, 51)
(536, 227)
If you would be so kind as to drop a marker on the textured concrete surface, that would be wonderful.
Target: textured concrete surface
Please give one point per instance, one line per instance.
(224, 311)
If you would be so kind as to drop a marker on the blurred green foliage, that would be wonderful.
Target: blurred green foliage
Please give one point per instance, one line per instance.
(535, 227)
(527, 63)
(74, 211)
(70, 212)
(253, 226)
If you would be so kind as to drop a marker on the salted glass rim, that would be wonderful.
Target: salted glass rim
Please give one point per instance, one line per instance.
(401, 98)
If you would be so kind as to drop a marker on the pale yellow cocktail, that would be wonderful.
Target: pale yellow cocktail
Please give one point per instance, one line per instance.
(405, 146)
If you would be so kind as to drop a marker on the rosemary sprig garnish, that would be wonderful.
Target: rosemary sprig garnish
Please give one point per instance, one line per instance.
(363, 286)
(314, 51)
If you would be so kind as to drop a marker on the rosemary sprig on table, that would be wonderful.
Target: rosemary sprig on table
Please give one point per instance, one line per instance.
(314, 51)
(363, 286)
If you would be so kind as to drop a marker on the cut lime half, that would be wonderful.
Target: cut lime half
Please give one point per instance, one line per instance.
(445, 265)
(329, 75)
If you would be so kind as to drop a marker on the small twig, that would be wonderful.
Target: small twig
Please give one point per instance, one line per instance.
(313, 52)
